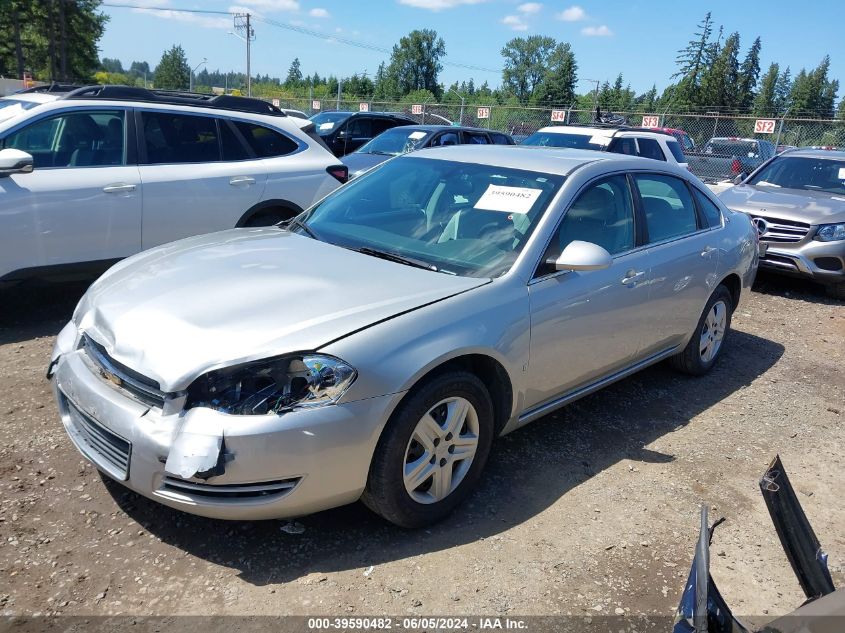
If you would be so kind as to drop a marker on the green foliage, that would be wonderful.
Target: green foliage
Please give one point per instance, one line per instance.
(173, 72)
(720, 81)
(525, 64)
(557, 86)
(813, 94)
(294, 77)
(766, 101)
(416, 62)
(51, 39)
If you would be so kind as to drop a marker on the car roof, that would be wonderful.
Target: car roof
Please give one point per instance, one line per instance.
(35, 97)
(603, 131)
(540, 159)
(438, 128)
(808, 152)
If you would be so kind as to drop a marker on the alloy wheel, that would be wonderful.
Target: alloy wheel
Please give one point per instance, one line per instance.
(713, 331)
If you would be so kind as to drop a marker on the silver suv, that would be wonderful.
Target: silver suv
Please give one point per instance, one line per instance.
(797, 203)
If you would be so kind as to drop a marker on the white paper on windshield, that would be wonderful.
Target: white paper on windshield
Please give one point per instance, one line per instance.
(599, 140)
(842, 173)
(416, 135)
(508, 199)
(327, 126)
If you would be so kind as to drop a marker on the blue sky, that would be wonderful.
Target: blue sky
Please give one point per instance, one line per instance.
(639, 38)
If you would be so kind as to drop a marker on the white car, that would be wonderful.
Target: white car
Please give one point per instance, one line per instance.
(108, 171)
(631, 141)
(16, 104)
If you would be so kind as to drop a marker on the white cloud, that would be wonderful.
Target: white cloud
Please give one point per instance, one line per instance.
(438, 5)
(319, 13)
(205, 21)
(515, 22)
(530, 7)
(596, 31)
(572, 14)
(273, 5)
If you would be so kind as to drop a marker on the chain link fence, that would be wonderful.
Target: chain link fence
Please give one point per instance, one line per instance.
(521, 121)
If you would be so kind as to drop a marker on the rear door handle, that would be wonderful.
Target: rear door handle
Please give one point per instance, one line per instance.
(632, 277)
(708, 250)
(242, 180)
(119, 187)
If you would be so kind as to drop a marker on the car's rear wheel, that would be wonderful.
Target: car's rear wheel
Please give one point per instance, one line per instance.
(837, 291)
(432, 451)
(705, 346)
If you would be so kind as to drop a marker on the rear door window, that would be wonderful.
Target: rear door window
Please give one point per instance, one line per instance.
(668, 206)
(266, 143)
(359, 127)
(623, 146)
(650, 148)
(500, 139)
(380, 125)
(708, 208)
(447, 138)
(676, 151)
(233, 147)
(476, 138)
(171, 138)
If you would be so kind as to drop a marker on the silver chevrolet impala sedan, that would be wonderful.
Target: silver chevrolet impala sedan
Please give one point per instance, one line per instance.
(374, 346)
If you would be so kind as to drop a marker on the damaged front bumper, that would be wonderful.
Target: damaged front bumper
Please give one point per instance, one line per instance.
(217, 465)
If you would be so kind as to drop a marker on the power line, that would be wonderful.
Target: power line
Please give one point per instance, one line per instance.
(298, 29)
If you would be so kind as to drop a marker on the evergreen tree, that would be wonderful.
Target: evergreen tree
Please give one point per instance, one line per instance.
(719, 85)
(416, 62)
(692, 62)
(783, 89)
(766, 102)
(749, 73)
(294, 77)
(525, 64)
(173, 71)
(558, 83)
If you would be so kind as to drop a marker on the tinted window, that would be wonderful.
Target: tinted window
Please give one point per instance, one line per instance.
(575, 141)
(649, 148)
(78, 139)
(326, 122)
(623, 146)
(500, 139)
(476, 138)
(265, 142)
(359, 127)
(233, 147)
(179, 138)
(803, 172)
(668, 207)
(603, 215)
(447, 138)
(676, 151)
(380, 125)
(687, 141)
(707, 206)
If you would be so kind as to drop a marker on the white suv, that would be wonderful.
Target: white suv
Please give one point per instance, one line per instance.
(621, 140)
(108, 171)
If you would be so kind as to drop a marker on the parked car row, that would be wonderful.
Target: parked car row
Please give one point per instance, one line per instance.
(380, 335)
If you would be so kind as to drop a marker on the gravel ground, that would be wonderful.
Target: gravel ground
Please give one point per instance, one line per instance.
(593, 510)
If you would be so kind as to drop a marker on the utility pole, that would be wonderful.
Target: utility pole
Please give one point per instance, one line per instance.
(339, 89)
(243, 24)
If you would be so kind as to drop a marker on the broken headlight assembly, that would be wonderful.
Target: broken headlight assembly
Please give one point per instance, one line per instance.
(272, 386)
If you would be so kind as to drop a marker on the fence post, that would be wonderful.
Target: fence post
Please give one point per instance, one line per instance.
(780, 129)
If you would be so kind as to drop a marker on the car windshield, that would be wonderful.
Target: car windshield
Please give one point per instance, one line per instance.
(326, 121)
(398, 140)
(450, 217)
(803, 172)
(573, 141)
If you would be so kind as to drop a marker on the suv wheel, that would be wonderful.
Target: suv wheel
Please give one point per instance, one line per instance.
(432, 451)
(701, 353)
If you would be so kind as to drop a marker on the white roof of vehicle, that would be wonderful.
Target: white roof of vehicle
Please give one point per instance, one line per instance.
(602, 135)
(35, 97)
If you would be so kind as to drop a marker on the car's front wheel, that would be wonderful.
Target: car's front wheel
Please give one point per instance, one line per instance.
(703, 349)
(432, 451)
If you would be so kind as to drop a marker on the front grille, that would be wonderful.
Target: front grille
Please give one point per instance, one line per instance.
(137, 385)
(228, 491)
(780, 231)
(98, 443)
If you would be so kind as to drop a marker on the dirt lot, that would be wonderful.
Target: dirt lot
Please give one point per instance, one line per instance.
(591, 510)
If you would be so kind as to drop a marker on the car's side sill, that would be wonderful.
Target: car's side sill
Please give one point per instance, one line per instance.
(557, 403)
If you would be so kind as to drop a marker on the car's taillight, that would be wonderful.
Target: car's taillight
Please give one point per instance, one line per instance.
(341, 172)
(736, 166)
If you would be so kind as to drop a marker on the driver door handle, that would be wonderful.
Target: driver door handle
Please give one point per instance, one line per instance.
(632, 277)
(242, 180)
(708, 250)
(119, 187)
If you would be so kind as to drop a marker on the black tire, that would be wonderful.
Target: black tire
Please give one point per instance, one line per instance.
(836, 291)
(689, 361)
(385, 493)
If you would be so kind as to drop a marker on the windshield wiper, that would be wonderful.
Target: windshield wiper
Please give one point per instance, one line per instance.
(395, 257)
(295, 221)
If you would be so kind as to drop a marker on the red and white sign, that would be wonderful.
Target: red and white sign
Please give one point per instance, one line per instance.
(558, 116)
(483, 113)
(276, 102)
(416, 109)
(651, 121)
(764, 126)
(363, 107)
(315, 105)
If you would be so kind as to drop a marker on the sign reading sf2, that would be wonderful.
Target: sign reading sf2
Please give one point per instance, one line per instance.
(764, 126)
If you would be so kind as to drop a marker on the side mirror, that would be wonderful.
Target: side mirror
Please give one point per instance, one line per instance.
(580, 255)
(738, 179)
(14, 161)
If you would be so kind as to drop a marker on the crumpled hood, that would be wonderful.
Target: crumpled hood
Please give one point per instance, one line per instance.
(813, 207)
(181, 309)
